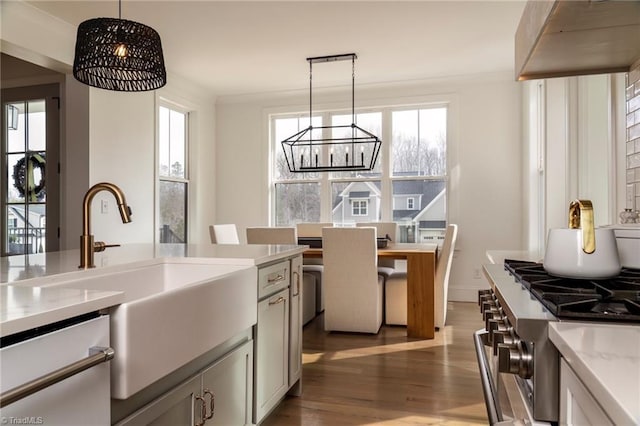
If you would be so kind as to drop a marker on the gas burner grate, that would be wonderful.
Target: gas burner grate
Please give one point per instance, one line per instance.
(616, 299)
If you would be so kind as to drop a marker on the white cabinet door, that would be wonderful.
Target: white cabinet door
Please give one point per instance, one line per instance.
(81, 399)
(577, 405)
(227, 388)
(219, 395)
(174, 408)
(272, 353)
(295, 323)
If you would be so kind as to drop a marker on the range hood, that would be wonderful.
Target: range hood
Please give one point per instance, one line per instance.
(557, 38)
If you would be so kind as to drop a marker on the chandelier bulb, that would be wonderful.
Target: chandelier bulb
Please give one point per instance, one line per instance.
(121, 50)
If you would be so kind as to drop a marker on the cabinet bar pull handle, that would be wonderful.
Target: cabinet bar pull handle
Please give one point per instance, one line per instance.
(278, 278)
(297, 281)
(97, 355)
(278, 300)
(212, 404)
(203, 410)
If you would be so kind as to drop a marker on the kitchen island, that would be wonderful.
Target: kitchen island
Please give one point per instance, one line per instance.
(159, 297)
(24, 308)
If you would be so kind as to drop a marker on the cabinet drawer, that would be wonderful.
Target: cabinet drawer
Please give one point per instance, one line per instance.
(273, 278)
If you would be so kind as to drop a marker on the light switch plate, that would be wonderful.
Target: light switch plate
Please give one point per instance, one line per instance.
(104, 206)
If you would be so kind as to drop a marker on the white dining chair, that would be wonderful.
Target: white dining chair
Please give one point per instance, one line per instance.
(353, 290)
(311, 229)
(386, 267)
(314, 265)
(287, 235)
(224, 234)
(271, 235)
(396, 286)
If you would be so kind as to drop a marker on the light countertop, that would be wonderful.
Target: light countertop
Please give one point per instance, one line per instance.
(498, 256)
(606, 358)
(26, 302)
(17, 268)
(24, 308)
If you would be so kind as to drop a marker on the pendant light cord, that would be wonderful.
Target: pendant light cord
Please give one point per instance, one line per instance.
(310, 90)
(119, 9)
(353, 90)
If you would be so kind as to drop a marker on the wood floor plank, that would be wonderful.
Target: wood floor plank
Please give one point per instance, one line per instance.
(388, 378)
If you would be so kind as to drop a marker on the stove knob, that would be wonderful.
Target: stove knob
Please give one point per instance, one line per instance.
(515, 359)
(483, 295)
(493, 313)
(494, 325)
(488, 305)
(485, 300)
(506, 337)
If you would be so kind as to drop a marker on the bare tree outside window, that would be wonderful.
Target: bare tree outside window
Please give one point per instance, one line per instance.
(173, 182)
(419, 142)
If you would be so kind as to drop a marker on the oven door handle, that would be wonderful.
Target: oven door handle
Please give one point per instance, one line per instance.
(488, 386)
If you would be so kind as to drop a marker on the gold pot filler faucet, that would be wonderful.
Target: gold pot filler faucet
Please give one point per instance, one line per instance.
(87, 246)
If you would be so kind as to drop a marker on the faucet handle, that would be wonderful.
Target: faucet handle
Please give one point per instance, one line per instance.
(101, 246)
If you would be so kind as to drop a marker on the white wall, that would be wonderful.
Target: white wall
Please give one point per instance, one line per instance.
(485, 159)
(123, 151)
(110, 136)
(122, 147)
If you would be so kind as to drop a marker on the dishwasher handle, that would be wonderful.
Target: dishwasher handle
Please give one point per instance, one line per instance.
(97, 355)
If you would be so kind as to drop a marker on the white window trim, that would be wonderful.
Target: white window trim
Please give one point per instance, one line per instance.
(411, 202)
(187, 110)
(363, 205)
(449, 100)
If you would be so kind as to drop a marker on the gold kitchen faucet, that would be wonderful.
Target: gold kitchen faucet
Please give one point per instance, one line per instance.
(87, 246)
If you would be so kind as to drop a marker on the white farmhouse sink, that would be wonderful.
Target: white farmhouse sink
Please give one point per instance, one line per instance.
(172, 313)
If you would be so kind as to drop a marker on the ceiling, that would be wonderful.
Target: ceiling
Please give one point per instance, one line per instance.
(240, 47)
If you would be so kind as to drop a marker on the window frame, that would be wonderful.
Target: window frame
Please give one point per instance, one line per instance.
(363, 207)
(186, 180)
(386, 177)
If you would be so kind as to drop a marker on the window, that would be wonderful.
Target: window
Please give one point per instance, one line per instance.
(359, 207)
(173, 174)
(410, 202)
(411, 168)
(30, 180)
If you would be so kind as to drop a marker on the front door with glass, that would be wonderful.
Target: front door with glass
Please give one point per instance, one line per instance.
(30, 170)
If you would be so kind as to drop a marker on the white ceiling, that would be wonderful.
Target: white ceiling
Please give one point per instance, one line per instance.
(238, 47)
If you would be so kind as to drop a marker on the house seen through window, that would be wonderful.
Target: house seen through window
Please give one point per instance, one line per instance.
(412, 168)
(359, 207)
(173, 174)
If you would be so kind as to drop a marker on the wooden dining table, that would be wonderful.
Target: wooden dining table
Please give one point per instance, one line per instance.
(421, 270)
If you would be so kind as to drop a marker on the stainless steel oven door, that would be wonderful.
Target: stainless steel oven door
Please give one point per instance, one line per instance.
(506, 396)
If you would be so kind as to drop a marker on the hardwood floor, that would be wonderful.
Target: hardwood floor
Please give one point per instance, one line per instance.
(389, 379)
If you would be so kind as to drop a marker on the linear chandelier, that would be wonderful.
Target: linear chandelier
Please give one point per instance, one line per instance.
(318, 149)
(118, 54)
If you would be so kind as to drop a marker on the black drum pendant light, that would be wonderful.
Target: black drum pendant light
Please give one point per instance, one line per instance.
(117, 54)
(318, 149)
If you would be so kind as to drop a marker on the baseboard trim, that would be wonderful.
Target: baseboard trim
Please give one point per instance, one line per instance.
(463, 294)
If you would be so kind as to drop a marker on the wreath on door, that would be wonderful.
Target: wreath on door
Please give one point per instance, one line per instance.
(24, 176)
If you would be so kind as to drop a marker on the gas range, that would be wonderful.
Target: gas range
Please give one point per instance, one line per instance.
(515, 354)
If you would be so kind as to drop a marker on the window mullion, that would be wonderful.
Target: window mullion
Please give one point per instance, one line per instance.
(385, 180)
(325, 183)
